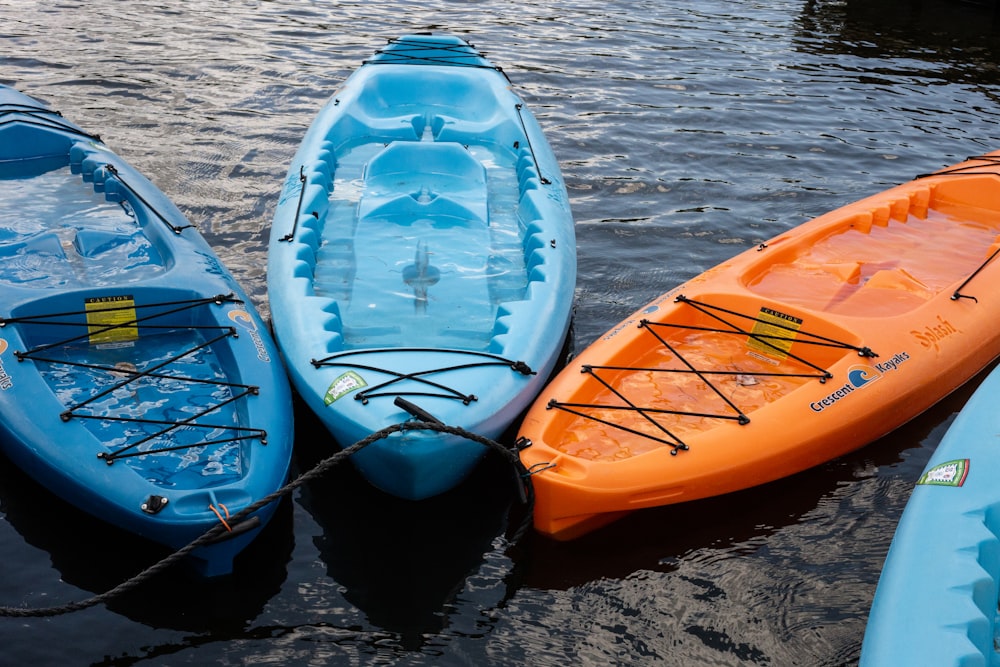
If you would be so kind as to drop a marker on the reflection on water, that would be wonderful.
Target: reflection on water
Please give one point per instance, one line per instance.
(686, 133)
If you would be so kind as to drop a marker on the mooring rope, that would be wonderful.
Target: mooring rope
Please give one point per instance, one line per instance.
(525, 489)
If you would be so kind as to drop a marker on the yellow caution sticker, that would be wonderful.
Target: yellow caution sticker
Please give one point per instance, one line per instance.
(773, 333)
(110, 319)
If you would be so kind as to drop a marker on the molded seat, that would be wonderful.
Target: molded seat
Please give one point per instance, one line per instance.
(442, 181)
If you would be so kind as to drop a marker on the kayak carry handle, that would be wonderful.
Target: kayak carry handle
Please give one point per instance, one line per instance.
(416, 411)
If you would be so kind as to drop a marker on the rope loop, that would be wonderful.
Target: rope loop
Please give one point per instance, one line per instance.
(222, 519)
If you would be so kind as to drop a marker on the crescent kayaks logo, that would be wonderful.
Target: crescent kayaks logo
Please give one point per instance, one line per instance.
(243, 318)
(859, 376)
(949, 473)
(6, 382)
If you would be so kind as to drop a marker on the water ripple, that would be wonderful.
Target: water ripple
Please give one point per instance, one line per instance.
(686, 132)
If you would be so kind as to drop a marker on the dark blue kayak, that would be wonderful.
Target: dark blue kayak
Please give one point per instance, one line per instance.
(137, 381)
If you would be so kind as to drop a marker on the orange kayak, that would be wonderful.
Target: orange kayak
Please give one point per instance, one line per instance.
(791, 354)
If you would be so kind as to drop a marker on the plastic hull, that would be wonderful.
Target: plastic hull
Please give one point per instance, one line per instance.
(786, 356)
(136, 380)
(423, 249)
(936, 601)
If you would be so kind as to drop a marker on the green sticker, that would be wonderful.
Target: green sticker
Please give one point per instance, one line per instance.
(949, 473)
(343, 385)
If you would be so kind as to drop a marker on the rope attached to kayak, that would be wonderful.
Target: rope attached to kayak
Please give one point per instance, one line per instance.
(234, 391)
(420, 377)
(232, 523)
(728, 319)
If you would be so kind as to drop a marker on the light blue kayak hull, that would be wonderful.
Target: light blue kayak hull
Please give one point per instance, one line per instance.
(422, 249)
(936, 601)
(137, 381)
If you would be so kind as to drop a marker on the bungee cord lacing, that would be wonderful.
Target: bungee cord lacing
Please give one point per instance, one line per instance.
(50, 319)
(813, 339)
(665, 436)
(236, 391)
(458, 55)
(671, 440)
(419, 377)
(968, 169)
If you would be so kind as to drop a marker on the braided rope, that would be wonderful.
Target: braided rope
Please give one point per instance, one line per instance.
(321, 468)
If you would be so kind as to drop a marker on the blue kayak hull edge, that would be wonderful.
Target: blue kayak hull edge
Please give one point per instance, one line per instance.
(137, 381)
(422, 261)
(937, 597)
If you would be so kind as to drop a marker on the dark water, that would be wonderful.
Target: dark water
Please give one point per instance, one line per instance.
(687, 132)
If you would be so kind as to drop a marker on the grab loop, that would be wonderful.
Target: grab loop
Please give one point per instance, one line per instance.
(222, 520)
(518, 107)
(416, 410)
(981, 161)
(958, 291)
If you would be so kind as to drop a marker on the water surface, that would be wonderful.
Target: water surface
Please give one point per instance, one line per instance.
(686, 132)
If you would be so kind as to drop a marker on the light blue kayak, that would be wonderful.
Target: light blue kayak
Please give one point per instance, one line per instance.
(422, 261)
(936, 601)
(137, 382)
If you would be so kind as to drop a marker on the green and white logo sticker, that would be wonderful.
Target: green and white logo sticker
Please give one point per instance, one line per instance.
(949, 473)
(343, 385)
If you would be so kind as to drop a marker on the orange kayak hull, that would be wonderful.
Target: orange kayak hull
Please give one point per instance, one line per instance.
(789, 355)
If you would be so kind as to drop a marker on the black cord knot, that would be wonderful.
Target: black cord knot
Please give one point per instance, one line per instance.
(522, 368)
